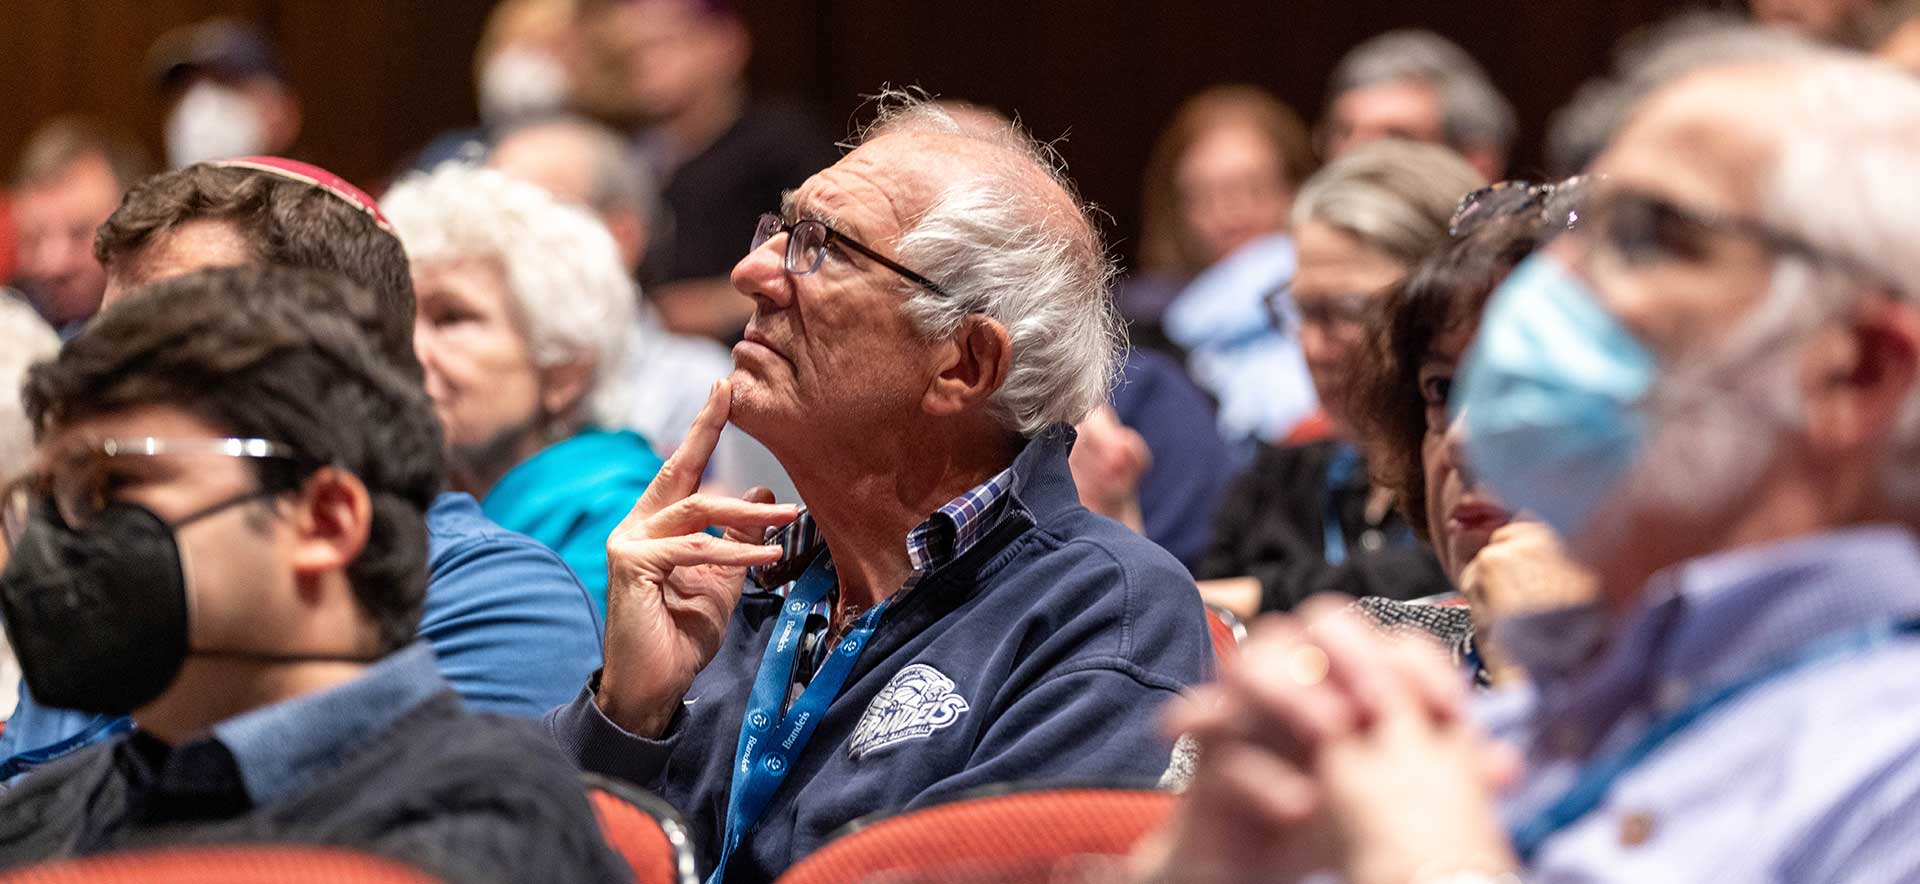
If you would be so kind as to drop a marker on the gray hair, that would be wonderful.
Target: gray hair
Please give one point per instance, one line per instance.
(1474, 112)
(1004, 242)
(1395, 196)
(560, 266)
(1847, 179)
(619, 179)
(24, 339)
(1578, 132)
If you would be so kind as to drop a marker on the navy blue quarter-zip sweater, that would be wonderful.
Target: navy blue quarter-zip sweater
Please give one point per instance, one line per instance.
(1061, 634)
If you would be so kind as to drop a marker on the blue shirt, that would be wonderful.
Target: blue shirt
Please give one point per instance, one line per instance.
(513, 630)
(572, 494)
(281, 749)
(1237, 350)
(1191, 463)
(1810, 776)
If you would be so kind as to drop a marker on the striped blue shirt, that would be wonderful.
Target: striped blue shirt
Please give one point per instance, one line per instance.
(944, 536)
(1810, 776)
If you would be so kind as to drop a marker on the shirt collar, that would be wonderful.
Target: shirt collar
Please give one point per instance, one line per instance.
(1713, 619)
(281, 749)
(948, 534)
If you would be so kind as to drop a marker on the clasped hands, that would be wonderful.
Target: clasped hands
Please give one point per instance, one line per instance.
(1331, 747)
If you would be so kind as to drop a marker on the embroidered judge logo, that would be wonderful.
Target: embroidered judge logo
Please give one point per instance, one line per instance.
(915, 703)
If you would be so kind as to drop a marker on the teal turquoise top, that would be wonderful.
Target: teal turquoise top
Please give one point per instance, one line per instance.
(571, 496)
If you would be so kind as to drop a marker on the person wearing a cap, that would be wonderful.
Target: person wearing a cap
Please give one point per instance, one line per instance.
(227, 93)
(512, 629)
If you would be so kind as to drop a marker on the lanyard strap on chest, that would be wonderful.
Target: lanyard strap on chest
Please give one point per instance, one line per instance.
(770, 741)
(1595, 780)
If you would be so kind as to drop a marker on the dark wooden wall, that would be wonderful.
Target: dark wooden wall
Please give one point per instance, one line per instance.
(380, 77)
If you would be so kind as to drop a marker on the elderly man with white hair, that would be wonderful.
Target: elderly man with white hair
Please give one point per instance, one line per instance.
(1711, 388)
(932, 315)
(523, 314)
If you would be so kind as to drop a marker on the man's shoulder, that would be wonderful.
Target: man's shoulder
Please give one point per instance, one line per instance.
(473, 559)
(1123, 595)
(1078, 539)
(444, 747)
(51, 801)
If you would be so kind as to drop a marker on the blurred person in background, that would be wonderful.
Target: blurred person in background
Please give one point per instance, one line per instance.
(226, 92)
(222, 535)
(1709, 388)
(679, 70)
(524, 313)
(1504, 564)
(525, 68)
(24, 340)
(1419, 86)
(68, 179)
(668, 375)
(1308, 518)
(1214, 245)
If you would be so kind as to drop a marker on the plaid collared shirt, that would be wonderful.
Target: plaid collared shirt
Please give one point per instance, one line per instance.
(946, 535)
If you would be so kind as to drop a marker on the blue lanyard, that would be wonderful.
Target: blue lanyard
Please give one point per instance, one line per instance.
(1340, 472)
(1596, 779)
(769, 741)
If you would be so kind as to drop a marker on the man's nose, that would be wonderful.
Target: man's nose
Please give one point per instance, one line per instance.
(762, 275)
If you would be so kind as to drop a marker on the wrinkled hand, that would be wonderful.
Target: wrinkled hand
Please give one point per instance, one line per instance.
(1330, 746)
(1522, 570)
(671, 587)
(1108, 460)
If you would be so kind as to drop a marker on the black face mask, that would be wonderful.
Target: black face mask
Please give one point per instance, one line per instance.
(99, 617)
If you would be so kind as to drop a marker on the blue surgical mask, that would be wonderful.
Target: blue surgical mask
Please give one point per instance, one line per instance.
(1552, 393)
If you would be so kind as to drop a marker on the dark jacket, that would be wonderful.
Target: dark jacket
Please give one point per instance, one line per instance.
(1271, 526)
(1061, 633)
(471, 798)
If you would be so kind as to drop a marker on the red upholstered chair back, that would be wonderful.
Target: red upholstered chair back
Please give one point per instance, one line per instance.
(1227, 631)
(224, 865)
(643, 829)
(1004, 838)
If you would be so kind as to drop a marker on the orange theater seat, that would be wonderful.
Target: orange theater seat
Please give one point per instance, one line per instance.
(278, 864)
(1008, 837)
(643, 829)
(1227, 632)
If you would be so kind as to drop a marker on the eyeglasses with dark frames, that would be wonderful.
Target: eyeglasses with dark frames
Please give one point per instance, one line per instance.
(807, 243)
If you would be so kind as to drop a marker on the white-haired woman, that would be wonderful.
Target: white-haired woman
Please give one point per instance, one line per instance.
(523, 313)
(1307, 518)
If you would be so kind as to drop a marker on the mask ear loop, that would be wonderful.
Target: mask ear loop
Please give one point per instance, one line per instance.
(195, 649)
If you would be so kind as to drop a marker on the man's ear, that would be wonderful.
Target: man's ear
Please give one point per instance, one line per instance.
(973, 365)
(562, 386)
(1862, 378)
(332, 519)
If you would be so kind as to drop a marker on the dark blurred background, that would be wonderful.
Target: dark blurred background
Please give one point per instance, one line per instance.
(380, 77)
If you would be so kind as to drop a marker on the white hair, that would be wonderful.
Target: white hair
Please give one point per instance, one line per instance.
(560, 266)
(1846, 180)
(1578, 132)
(24, 340)
(1014, 242)
(1473, 112)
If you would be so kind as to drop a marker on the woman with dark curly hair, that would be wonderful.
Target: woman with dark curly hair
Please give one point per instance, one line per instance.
(1502, 564)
